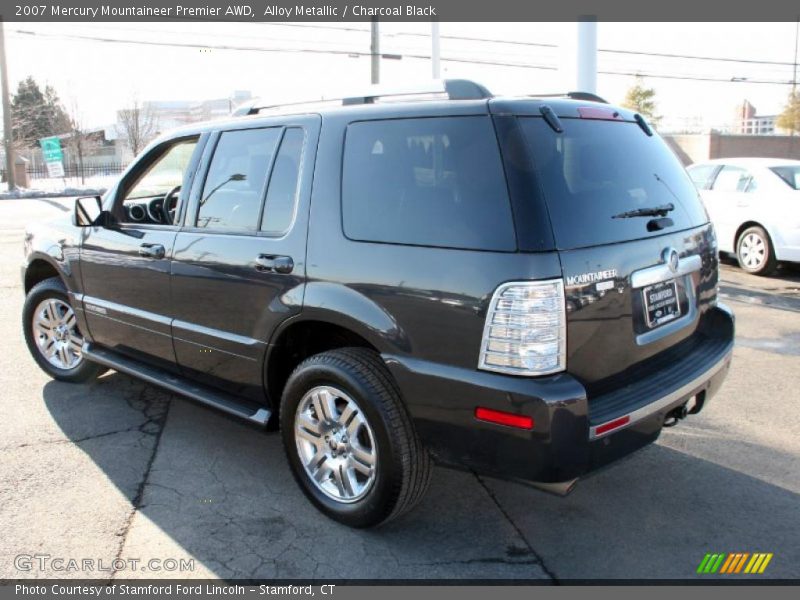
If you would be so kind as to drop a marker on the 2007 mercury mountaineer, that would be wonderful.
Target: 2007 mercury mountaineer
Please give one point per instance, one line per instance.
(523, 287)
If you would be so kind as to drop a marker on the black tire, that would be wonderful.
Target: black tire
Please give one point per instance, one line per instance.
(403, 467)
(762, 262)
(53, 288)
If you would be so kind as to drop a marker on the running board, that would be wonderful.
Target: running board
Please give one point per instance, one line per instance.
(180, 385)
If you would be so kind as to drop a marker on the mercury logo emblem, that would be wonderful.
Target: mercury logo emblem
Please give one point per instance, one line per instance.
(670, 256)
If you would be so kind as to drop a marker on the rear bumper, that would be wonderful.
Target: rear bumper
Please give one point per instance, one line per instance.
(568, 439)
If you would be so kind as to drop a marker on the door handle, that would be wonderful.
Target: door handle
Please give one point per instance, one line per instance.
(270, 263)
(152, 250)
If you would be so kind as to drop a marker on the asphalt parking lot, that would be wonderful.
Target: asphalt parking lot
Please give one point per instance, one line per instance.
(120, 469)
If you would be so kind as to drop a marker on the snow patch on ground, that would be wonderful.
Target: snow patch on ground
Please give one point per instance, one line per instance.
(69, 186)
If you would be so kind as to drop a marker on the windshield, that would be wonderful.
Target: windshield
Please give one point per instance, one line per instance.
(790, 175)
(598, 174)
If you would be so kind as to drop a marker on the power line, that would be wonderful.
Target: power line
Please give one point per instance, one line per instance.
(347, 29)
(161, 32)
(357, 53)
(548, 45)
(694, 57)
(197, 45)
(607, 50)
(694, 78)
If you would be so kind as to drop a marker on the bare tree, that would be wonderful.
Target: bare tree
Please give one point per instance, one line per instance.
(137, 124)
(79, 142)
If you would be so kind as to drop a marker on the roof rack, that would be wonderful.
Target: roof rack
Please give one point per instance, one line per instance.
(574, 96)
(455, 89)
(252, 107)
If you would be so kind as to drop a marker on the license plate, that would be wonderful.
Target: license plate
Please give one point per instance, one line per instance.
(661, 303)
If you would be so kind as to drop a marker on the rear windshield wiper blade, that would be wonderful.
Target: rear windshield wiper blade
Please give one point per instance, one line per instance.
(655, 211)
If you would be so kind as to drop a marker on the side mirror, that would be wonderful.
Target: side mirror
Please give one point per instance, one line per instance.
(89, 211)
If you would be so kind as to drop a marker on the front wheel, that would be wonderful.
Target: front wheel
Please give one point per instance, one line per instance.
(52, 334)
(755, 253)
(350, 442)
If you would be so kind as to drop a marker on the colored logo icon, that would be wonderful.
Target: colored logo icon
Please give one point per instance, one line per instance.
(734, 563)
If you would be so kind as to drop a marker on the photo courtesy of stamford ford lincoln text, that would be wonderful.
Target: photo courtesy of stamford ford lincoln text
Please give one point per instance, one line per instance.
(456, 298)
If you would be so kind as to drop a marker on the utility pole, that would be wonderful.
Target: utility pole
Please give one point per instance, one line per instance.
(7, 142)
(794, 66)
(794, 62)
(435, 51)
(586, 63)
(375, 51)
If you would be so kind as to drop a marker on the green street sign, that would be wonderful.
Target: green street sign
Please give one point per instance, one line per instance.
(51, 148)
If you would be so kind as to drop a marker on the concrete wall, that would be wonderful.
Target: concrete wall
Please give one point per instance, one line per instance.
(692, 148)
(770, 146)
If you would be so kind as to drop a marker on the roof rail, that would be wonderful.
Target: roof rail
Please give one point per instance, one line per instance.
(574, 96)
(456, 89)
(248, 107)
(252, 107)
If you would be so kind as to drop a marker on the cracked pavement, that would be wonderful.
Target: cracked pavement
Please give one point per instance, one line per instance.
(121, 469)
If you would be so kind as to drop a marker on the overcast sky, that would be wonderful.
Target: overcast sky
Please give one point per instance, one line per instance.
(101, 77)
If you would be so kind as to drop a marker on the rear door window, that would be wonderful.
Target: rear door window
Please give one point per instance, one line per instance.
(596, 170)
(428, 182)
(284, 184)
(237, 178)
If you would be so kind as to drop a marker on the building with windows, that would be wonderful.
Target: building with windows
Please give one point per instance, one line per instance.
(746, 121)
(169, 114)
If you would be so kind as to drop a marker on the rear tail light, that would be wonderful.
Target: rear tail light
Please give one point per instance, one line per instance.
(525, 330)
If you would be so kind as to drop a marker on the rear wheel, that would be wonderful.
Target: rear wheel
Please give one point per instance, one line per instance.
(755, 253)
(350, 442)
(52, 334)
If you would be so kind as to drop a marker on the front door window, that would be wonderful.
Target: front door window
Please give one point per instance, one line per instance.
(152, 195)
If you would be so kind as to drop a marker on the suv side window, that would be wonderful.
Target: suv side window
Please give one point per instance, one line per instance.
(237, 178)
(428, 182)
(164, 174)
(284, 184)
(164, 170)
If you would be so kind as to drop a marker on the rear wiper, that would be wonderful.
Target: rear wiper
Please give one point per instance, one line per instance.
(655, 211)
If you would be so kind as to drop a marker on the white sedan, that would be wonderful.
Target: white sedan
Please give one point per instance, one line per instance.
(754, 204)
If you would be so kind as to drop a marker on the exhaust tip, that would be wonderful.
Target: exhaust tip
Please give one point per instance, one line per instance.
(562, 488)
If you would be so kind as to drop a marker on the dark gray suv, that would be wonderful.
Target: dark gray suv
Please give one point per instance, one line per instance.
(523, 287)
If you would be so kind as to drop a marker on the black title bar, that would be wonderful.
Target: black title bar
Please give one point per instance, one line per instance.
(389, 10)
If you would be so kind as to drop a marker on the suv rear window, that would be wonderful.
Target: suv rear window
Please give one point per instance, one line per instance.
(597, 169)
(427, 182)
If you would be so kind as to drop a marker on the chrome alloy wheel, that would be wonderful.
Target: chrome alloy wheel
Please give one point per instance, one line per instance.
(55, 330)
(753, 250)
(335, 443)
